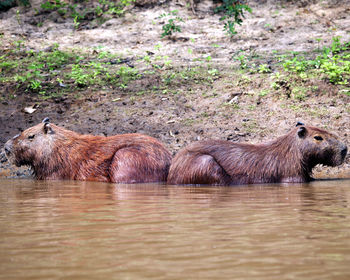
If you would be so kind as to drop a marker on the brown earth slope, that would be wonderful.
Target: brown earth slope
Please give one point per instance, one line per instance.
(228, 103)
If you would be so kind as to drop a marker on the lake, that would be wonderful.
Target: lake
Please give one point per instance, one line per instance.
(89, 230)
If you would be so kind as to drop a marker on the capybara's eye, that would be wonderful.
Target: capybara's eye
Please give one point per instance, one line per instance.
(31, 136)
(318, 138)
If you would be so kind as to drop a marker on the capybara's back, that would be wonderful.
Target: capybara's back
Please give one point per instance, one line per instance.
(57, 153)
(289, 158)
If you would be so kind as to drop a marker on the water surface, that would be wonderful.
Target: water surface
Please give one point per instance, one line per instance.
(84, 230)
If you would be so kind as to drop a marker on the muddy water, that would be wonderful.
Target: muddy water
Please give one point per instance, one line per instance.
(80, 230)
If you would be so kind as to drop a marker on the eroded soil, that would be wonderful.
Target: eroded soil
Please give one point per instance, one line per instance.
(234, 104)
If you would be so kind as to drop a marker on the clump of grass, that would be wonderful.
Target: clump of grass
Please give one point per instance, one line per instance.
(330, 64)
(333, 63)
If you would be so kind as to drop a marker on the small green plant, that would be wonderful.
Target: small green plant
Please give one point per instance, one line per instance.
(61, 7)
(297, 64)
(125, 75)
(53, 5)
(336, 46)
(167, 61)
(108, 55)
(76, 22)
(7, 65)
(18, 44)
(208, 58)
(112, 7)
(242, 61)
(264, 68)
(299, 93)
(64, 9)
(263, 93)
(171, 27)
(158, 47)
(168, 78)
(79, 76)
(55, 58)
(333, 63)
(35, 85)
(336, 71)
(232, 9)
(213, 72)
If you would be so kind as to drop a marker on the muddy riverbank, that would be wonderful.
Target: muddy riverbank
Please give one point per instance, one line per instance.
(196, 84)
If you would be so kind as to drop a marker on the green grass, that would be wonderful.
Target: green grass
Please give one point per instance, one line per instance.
(55, 71)
(294, 70)
(333, 63)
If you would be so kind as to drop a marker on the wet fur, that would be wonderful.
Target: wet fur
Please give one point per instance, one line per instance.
(63, 154)
(289, 158)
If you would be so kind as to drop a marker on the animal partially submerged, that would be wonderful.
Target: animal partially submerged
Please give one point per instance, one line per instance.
(289, 158)
(54, 152)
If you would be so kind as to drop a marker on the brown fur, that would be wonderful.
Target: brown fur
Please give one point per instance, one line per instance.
(57, 153)
(289, 158)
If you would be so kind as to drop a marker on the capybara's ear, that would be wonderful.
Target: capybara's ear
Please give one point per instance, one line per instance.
(46, 120)
(48, 129)
(299, 124)
(302, 132)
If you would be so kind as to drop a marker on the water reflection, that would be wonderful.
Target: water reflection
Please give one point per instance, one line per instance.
(96, 230)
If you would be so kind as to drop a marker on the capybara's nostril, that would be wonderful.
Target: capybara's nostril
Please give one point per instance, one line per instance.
(7, 149)
(344, 152)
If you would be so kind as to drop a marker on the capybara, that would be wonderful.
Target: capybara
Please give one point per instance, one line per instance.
(289, 158)
(57, 153)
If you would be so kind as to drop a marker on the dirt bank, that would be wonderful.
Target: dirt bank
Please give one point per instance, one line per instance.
(200, 89)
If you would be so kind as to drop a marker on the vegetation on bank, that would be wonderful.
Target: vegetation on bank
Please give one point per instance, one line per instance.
(231, 11)
(292, 70)
(99, 11)
(54, 72)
